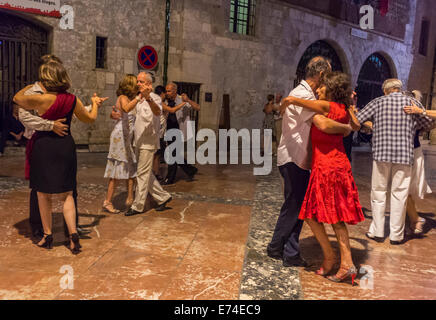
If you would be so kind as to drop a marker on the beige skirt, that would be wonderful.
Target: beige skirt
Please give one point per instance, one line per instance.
(418, 184)
(120, 170)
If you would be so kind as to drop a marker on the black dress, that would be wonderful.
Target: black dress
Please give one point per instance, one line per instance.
(53, 159)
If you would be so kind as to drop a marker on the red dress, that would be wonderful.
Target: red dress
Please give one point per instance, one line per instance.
(332, 194)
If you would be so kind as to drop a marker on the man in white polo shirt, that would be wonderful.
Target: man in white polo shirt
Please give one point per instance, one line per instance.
(294, 160)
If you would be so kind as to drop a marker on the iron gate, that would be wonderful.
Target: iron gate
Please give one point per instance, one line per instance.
(22, 43)
(374, 72)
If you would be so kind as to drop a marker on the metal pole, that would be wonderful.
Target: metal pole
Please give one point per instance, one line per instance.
(167, 40)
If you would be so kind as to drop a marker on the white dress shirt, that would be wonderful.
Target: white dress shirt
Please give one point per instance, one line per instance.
(295, 141)
(183, 115)
(30, 120)
(147, 125)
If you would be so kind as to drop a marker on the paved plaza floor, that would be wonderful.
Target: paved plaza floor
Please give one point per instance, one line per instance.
(209, 244)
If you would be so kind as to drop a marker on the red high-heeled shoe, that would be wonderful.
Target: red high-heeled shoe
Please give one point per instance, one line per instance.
(352, 272)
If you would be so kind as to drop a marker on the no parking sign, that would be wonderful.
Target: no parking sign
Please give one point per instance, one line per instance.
(147, 57)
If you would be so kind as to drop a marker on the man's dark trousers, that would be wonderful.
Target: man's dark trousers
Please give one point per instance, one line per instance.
(287, 232)
(172, 123)
(35, 216)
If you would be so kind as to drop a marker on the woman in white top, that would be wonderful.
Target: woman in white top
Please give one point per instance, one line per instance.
(121, 163)
(418, 185)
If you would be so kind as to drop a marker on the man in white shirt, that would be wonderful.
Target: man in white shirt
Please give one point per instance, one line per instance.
(294, 162)
(147, 125)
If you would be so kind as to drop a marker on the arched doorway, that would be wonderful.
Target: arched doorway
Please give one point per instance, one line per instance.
(374, 72)
(318, 48)
(22, 43)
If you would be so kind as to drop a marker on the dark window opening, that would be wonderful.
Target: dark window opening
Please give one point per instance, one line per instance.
(101, 53)
(373, 73)
(423, 40)
(242, 16)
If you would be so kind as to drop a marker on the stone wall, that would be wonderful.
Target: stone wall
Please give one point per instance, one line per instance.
(128, 25)
(250, 67)
(422, 68)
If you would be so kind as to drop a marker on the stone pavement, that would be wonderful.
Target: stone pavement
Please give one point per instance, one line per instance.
(210, 244)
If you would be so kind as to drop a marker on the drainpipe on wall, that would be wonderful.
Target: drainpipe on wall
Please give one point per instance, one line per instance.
(433, 99)
(167, 40)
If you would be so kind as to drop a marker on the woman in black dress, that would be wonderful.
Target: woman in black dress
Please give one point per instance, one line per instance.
(53, 161)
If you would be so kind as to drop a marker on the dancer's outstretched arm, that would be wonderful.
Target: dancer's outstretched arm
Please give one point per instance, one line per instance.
(193, 104)
(414, 109)
(330, 126)
(173, 109)
(319, 106)
(355, 124)
(84, 115)
(131, 105)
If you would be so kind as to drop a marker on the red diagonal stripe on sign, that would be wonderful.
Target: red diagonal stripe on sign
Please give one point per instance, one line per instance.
(147, 57)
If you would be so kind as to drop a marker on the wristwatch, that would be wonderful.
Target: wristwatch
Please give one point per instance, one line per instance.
(424, 113)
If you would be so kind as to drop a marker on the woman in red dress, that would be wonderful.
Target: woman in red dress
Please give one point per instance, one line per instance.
(332, 195)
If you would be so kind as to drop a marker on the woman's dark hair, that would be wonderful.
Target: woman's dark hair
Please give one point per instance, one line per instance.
(159, 90)
(338, 87)
(270, 97)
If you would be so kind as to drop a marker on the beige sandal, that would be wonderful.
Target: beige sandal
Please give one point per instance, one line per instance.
(108, 207)
(419, 226)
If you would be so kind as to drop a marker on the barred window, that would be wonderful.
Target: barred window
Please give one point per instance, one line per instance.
(101, 53)
(242, 16)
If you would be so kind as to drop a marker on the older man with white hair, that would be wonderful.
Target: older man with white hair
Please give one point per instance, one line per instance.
(147, 126)
(393, 137)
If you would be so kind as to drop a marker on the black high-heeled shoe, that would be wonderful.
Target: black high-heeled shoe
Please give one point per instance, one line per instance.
(75, 238)
(48, 241)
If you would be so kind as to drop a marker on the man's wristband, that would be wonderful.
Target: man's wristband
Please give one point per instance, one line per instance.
(424, 113)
